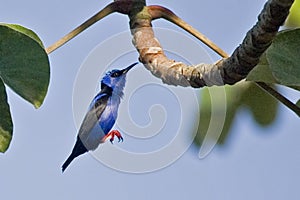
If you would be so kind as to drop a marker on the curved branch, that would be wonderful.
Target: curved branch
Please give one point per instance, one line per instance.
(161, 12)
(154, 59)
(232, 69)
(229, 70)
(226, 71)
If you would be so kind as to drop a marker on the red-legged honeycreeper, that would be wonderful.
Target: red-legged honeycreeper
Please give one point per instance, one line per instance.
(101, 115)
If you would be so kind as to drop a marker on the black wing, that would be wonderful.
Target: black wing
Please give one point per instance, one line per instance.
(92, 116)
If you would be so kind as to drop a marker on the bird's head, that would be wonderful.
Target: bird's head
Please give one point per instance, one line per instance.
(116, 78)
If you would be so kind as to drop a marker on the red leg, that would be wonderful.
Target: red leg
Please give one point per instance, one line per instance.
(111, 136)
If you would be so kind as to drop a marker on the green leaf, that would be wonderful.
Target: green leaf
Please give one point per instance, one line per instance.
(283, 57)
(241, 95)
(205, 115)
(298, 103)
(294, 16)
(6, 126)
(262, 72)
(255, 98)
(280, 62)
(24, 31)
(24, 64)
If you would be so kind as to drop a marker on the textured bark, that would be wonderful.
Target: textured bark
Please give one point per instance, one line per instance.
(154, 59)
(258, 39)
(226, 71)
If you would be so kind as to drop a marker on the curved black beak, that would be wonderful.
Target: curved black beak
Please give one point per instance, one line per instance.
(124, 71)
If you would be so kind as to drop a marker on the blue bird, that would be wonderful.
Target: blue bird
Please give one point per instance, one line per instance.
(101, 115)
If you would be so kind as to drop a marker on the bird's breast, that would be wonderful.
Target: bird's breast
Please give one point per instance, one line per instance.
(110, 113)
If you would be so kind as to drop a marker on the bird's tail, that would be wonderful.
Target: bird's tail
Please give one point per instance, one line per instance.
(78, 149)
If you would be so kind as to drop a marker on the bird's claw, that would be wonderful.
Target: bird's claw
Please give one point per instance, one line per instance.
(111, 136)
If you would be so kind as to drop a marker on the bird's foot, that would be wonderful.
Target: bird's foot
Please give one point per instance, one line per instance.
(111, 136)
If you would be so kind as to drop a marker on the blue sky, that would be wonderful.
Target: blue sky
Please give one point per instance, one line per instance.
(255, 163)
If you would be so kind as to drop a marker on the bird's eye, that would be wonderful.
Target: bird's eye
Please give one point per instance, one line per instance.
(115, 74)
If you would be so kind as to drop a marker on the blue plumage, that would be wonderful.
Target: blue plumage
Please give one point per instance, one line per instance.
(101, 115)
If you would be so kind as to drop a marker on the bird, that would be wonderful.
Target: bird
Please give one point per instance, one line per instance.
(101, 115)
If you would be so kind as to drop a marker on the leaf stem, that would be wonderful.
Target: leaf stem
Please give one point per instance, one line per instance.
(279, 97)
(162, 12)
(98, 16)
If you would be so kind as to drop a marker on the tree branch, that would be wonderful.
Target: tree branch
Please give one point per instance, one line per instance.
(232, 69)
(257, 40)
(227, 71)
(161, 12)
